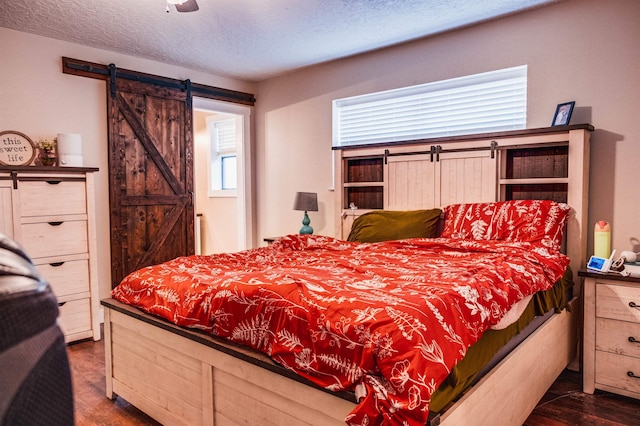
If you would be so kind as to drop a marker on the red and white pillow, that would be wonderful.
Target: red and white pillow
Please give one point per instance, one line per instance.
(536, 221)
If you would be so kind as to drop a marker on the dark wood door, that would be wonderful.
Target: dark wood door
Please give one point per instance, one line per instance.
(150, 176)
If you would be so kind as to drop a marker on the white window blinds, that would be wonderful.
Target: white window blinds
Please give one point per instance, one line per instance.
(225, 136)
(480, 103)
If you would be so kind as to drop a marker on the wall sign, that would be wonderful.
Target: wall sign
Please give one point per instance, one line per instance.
(16, 149)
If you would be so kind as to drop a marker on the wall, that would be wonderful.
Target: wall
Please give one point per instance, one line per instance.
(582, 50)
(40, 101)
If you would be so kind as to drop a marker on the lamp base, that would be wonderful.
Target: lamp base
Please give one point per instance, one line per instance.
(306, 228)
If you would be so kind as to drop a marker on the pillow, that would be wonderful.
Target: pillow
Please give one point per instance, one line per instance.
(536, 221)
(385, 225)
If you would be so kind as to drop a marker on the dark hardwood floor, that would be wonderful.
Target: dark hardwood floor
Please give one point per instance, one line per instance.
(563, 404)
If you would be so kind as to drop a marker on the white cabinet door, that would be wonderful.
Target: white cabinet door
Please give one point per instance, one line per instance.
(410, 183)
(416, 182)
(467, 177)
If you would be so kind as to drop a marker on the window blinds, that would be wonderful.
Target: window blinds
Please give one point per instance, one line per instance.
(480, 103)
(225, 136)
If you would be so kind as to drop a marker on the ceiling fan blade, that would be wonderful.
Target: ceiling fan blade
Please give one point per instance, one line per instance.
(187, 6)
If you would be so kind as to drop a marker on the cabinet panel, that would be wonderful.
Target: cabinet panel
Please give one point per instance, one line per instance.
(410, 183)
(55, 238)
(66, 278)
(611, 370)
(44, 197)
(536, 173)
(615, 336)
(551, 191)
(543, 162)
(613, 301)
(363, 182)
(467, 177)
(75, 319)
(369, 197)
(364, 170)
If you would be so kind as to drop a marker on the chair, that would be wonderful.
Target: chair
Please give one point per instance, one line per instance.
(35, 376)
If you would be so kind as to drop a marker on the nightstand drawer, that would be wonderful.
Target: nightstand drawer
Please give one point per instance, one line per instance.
(75, 317)
(55, 238)
(617, 301)
(614, 370)
(67, 278)
(619, 337)
(52, 197)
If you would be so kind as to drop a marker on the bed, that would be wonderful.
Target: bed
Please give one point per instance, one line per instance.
(184, 375)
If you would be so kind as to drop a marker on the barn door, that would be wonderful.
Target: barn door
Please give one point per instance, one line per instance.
(150, 162)
(150, 176)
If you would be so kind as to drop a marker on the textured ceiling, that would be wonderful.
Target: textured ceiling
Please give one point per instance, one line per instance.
(248, 39)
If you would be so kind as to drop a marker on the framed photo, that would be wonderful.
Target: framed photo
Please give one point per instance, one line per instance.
(16, 149)
(563, 114)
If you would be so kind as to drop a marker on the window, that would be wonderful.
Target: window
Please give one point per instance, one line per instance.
(229, 172)
(488, 102)
(224, 164)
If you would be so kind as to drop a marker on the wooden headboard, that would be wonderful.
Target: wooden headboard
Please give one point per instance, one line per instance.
(546, 163)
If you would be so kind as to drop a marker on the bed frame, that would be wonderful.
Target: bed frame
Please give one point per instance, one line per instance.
(185, 377)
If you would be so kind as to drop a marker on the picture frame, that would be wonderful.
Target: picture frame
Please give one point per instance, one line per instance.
(563, 114)
(16, 149)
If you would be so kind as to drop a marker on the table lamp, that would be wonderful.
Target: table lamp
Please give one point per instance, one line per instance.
(307, 202)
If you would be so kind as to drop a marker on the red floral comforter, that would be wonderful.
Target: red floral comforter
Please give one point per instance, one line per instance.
(388, 319)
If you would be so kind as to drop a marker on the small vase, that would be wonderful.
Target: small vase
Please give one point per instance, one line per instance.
(48, 158)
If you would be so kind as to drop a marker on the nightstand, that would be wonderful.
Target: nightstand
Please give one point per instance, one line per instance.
(611, 334)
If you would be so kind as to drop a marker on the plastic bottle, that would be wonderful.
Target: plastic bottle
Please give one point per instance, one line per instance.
(602, 239)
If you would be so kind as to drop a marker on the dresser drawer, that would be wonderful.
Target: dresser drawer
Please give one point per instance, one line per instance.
(615, 302)
(618, 337)
(52, 197)
(66, 278)
(612, 370)
(75, 318)
(54, 239)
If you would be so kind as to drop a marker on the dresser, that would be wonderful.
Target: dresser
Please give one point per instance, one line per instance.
(50, 212)
(611, 338)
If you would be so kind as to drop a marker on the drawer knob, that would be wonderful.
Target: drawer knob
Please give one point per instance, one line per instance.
(53, 182)
(56, 264)
(60, 223)
(633, 305)
(630, 374)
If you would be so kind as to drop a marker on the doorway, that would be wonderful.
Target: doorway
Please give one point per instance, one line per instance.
(222, 202)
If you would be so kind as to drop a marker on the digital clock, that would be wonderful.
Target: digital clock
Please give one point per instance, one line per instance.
(600, 264)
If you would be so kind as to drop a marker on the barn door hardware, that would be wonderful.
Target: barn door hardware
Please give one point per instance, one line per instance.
(104, 72)
(112, 80)
(435, 151)
(187, 85)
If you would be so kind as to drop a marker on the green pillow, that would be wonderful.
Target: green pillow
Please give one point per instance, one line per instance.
(387, 225)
